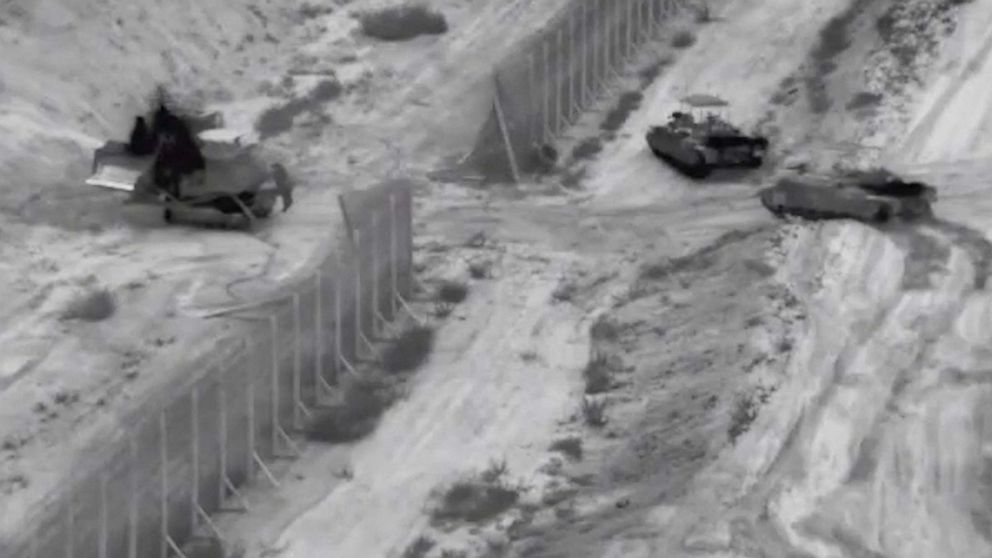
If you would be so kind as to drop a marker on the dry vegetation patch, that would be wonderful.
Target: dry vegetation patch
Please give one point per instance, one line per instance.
(477, 498)
(91, 306)
(402, 23)
(409, 350)
(279, 119)
(363, 403)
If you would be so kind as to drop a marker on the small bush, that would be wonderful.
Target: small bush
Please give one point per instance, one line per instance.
(864, 100)
(365, 400)
(564, 292)
(495, 472)
(410, 350)
(402, 23)
(310, 11)
(745, 411)
(597, 375)
(594, 412)
(477, 499)
(604, 329)
(452, 292)
(570, 447)
(480, 269)
(628, 103)
(683, 39)
(419, 547)
(587, 149)
(279, 119)
(651, 72)
(703, 13)
(94, 306)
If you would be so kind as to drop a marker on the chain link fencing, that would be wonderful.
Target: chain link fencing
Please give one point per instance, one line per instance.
(543, 87)
(185, 459)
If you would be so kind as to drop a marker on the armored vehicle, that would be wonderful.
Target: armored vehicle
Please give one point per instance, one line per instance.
(873, 196)
(191, 164)
(695, 146)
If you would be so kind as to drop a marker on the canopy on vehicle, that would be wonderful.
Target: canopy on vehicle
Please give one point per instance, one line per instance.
(701, 100)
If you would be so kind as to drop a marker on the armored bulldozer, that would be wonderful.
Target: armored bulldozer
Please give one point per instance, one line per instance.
(190, 164)
(697, 147)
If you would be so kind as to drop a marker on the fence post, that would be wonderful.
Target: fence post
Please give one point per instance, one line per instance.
(375, 272)
(338, 355)
(629, 51)
(356, 250)
(393, 255)
(617, 37)
(547, 92)
(299, 409)
(225, 485)
(70, 524)
(504, 131)
(569, 53)
(250, 428)
(102, 550)
(596, 41)
(534, 123)
(559, 79)
(164, 494)
(132, 499)
(607, 38)
(584, 48)
(274, 382)
(194, 503)
(222, 438)
(319, 381)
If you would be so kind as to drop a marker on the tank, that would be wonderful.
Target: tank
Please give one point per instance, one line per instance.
(865, 197)
(697, 147)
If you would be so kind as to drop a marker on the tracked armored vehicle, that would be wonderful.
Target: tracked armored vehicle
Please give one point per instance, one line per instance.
(695, 147)
(192, 166)
(873, 196)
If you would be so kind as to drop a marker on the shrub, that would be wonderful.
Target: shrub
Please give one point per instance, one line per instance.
(594, 412)
(864, 99)
(587, 148)
(410, 350)
(570, 447)
(452, 292)
(364, 402)
(745, 411)
(310, 11)
(703, 13)
(618, 115)
(402, 23)
(597, 375)
(604, 329)
(480, 269)
(477, 499)
(564, 292)
(683, 39)
(278, 119)
(93, 306)
(419, 547)
(651, 72)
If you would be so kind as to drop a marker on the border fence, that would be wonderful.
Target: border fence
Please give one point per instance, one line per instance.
(543, 88)
(187, 458)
